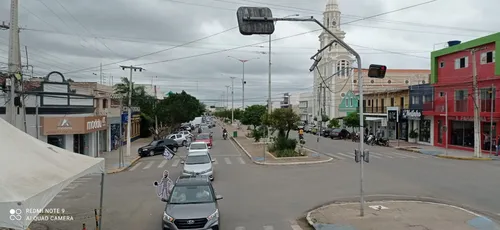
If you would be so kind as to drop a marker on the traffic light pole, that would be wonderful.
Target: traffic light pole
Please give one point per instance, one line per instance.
(360, 86)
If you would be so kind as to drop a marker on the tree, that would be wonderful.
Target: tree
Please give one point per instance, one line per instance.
(352, 120)
(179, 108)
(283, 120)
(334, 123)
(253, 115)
(324, 118)
(123, 88)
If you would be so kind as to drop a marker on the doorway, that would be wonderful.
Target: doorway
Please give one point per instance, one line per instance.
(56, 140)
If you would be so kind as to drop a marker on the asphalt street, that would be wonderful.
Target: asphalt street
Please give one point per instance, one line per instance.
(272, 197)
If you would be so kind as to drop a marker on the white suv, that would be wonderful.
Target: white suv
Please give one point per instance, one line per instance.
(198, 163)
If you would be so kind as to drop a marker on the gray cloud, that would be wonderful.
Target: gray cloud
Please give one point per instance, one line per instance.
(119, 30)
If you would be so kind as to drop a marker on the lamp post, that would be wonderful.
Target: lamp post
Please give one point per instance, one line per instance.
(243, 82)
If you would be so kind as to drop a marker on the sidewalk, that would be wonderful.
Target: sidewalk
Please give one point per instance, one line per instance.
(255, 151)
(112, 158)
(397, 215)
(439, 152)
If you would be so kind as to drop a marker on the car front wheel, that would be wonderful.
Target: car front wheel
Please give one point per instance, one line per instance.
(151, 153)
(184, 143)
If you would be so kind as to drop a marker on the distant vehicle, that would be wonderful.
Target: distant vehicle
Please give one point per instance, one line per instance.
(157, 147)
(198, 147)
(181, 139)
(197, 121)
(186, 133)
(198, 163)
(340, 134)
(205, 137)
(192, 205)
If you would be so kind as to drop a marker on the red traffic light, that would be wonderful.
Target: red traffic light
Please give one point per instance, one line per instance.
(382, 67)
(377, 71)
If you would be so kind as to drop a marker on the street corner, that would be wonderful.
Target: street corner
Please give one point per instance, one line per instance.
(381, 215)
(117, 170)
(465, 158)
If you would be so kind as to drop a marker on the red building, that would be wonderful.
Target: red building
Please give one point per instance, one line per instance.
(452, 77)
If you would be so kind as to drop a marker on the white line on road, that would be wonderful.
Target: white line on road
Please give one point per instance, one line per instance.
(240, 228)
(345, 155)
(375, 155)
(176, 162)
(382, 155)
(163, 163)
(149, 165)
(135, 166)
(268, 228)
(241, 160)
(403, 155)
(228, 161)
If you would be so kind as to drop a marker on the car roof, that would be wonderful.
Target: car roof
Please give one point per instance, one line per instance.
(198, 153)
(206, 134)
(193, 180)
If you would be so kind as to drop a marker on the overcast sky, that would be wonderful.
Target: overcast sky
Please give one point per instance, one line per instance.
(75, 36)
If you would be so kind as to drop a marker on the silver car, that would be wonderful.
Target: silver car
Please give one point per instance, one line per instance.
(181, 139)
(198, 163)
(192, 204)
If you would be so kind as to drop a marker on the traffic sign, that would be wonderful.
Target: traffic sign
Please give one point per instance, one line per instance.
(251, 27)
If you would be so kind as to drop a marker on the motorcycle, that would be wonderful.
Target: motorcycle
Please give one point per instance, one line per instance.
(224, 135)
(382, 142)
(370, 140)
(355, 137)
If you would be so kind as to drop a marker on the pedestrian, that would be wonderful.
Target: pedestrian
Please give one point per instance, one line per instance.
(164, 187)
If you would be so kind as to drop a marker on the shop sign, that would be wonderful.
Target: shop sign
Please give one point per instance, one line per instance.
(392, 116)
(72, 125)
(411, 114)
(467, 118)
(96, 123)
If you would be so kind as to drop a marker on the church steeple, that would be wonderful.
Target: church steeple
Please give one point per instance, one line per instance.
(331, 16)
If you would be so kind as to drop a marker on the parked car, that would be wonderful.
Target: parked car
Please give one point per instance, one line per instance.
(186, 133)
(192, 205)
(198, 163)
(205, 137)
(181, 139)
(325, 132)
(157, 147)
(340, 134)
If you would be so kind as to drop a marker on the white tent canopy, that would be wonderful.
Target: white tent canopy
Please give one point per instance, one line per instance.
(33, 172)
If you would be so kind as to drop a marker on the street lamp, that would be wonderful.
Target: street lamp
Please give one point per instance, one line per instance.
(243, 82)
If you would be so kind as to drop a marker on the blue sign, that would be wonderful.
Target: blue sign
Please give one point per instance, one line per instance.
(124, 118)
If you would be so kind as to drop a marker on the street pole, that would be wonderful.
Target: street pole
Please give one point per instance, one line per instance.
(37, 118)
(100, 72)
(269, 102)
(243, 88)
(129, 115)
(492, 99)
(446, 122)
(120, 149)
(320, 111)
(477, 121)
(14, 61)
(232, 100)
(227, 96)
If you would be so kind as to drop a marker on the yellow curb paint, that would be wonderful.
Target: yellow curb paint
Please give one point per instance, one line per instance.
(464, 158)
(124, 168)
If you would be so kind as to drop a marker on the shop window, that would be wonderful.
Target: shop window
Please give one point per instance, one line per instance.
(440, 132)
(487, 97)
(425, 131)
(56, 140)
(461, 99)
(485, 129)
(462, 133)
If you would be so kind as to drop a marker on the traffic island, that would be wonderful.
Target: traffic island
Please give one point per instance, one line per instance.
(395, 215)
(255, 151)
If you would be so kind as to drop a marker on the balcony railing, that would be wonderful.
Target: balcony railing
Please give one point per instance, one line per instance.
(375, 109)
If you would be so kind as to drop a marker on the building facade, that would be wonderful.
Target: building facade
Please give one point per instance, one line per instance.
(349, 104)
(414, 117)
(453, 104)
(305, 102)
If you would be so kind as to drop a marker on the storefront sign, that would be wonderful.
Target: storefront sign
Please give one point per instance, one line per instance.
(72, 125)
(392, 116)
(411, 114)
(467, 118)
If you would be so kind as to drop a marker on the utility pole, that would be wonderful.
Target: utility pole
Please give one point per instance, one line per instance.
(232, 100)
(129, 115)
(446, 122)
(227, 96)
(492, 102)
(14, 61)
(477, 105)
(324, 103)
(100, 73)
(320, 113)
(243, 82)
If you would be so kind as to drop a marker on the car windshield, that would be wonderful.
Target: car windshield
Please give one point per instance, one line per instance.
(204, 127)
(200, 159)
(186, 194)
(337, 130)
(197, 146)
(153, 143)
(203, 136)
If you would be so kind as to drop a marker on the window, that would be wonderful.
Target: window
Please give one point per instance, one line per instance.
(350, 102)
(104, 103)
(461, 99)
(441, 64)
(188, 194)
(488, 57)
(426, 98)
(343, 68)
(415, 100)
(487, 97)
(461, 63)
(369, 102)
(462, 133)
(197, 146)
(441, 94)
(392, 101)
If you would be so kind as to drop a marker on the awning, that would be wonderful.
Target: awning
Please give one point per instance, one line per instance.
(374, 118)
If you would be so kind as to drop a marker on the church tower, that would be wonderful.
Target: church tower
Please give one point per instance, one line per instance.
(334, 67)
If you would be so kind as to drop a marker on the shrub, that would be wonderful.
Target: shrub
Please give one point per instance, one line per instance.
(282, 143)
(286, 153)
(257, 135)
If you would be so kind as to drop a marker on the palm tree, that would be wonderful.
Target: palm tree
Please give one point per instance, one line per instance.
(123, 88)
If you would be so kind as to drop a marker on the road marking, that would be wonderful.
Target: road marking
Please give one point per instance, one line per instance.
(135, 166)
(345, 155)
(163, 163)
(268, 228)
(58, 195)
(382, 155)
(404, 155)
(228, 161)
(64, 191)
(374, 155)
(296, 227)
(176, 163)
(149, 165)
(215, 161)
(240, 228)
(241, 160)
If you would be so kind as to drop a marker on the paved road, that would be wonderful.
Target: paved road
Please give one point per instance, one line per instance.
(259, 197)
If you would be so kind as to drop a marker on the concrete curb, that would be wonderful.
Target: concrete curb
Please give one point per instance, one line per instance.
(464, 158)
(312, 223)
(124, 168)
(278, 164)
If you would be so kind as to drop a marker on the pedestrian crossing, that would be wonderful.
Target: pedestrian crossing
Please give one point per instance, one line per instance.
(151, 164)
(379, 155)
(75, 184)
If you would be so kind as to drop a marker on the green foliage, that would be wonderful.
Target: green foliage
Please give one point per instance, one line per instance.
(352, 120)
(284, 147)
(324, 118)
(334, 123)
(238, 114)
(257, 134)
(283, 120)
(413, 134)
(179, 108)
(253, 115)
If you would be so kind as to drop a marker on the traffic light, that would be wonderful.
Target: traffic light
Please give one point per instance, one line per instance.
(377, 71)
(357, 156)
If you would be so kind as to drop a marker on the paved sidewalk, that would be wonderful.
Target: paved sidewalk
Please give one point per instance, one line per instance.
(440, 152)
(397, 215)
(112, 158)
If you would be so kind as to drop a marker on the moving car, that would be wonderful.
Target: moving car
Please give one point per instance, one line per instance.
(157, 147)
(339, 133)
(205, 137)
(186, 133)
(181, 139)
(198, 163)
(198, 146)
(192, 205)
